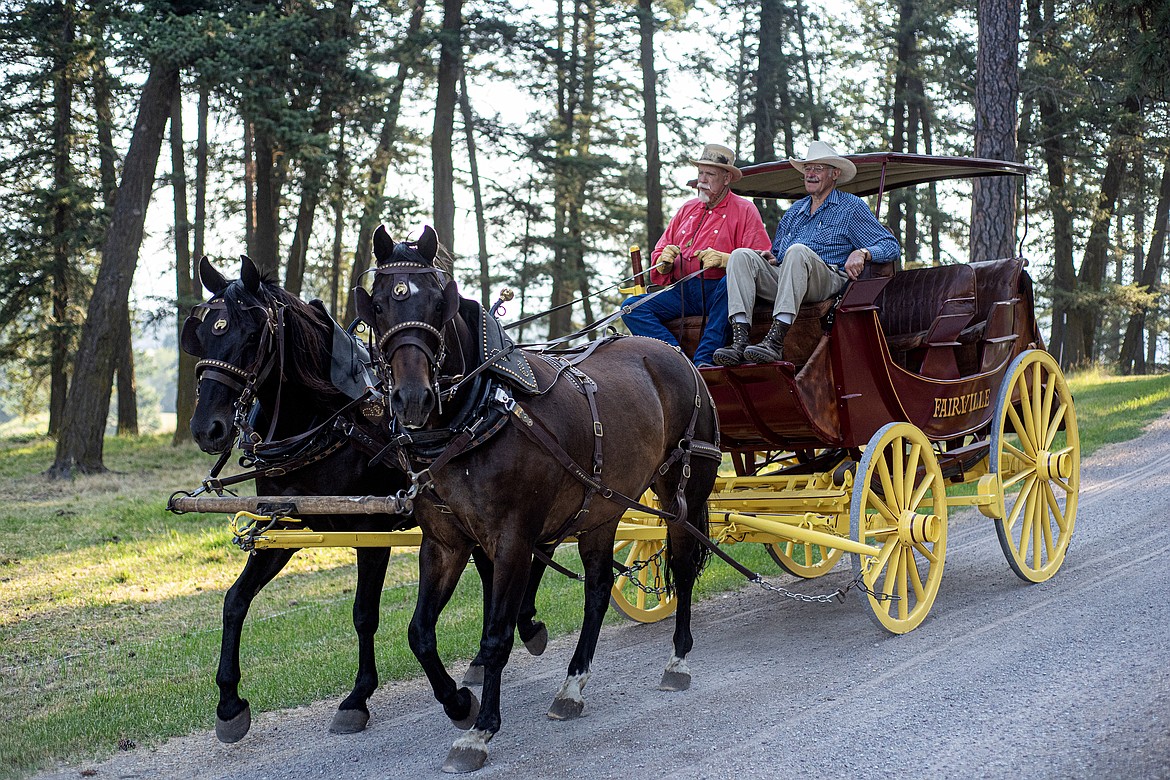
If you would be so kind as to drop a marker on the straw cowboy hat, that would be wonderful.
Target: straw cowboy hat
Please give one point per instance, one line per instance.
(719, 157)
(821, 152)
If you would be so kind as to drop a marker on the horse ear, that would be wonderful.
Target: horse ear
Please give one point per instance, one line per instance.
(451, 301)
(428, 243)
(383, 244)
(249, 274)
(363, 305)
(210, 278)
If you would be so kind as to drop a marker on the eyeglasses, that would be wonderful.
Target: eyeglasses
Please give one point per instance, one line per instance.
(816, 168)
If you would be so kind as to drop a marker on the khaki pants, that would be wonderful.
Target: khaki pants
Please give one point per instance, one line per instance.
(802, 278)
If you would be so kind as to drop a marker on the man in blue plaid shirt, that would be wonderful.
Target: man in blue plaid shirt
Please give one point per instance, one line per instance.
(823, 241)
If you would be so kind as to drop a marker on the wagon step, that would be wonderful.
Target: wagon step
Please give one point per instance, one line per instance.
(959, 461)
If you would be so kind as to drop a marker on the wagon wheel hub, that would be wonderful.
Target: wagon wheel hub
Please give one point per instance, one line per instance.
(914, 528)
(1054, 466)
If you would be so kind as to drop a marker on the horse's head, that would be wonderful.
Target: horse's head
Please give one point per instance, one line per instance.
(234, 336)
(411, 303)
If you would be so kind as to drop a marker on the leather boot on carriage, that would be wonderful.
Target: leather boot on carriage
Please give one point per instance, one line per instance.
(732, 354)
(771, 349)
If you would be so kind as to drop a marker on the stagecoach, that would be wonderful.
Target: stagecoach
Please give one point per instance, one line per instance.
(911, 394)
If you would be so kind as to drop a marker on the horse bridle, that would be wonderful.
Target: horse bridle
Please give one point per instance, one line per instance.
(245, 381)
(417, 333)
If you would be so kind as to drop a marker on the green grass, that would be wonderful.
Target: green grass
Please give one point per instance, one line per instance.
(1116, 408)
(110, 606)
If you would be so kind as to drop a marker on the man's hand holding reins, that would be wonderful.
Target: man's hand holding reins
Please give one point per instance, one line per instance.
(667, 258)
(713, 258)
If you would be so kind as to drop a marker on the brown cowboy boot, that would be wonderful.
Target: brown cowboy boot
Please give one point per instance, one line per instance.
(771, 349)
(732, 354)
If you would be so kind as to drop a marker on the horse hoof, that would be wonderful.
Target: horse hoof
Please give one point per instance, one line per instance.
(468, 754)
(349, 722)
(468, 722)
(473, 675)
(537, 643)
(674, 681)
(566, 709)
(229, 731)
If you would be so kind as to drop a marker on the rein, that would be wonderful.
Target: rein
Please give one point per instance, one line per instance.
(601, 323)
(615, 286)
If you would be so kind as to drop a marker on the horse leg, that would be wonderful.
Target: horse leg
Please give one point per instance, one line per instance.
(233, 716)
(512, 563)
(352, 714)
(533, 633)
(483, 565)
(686, 558)
(596, 549)
(439, 569)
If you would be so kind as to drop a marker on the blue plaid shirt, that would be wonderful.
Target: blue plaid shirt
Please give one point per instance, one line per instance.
(842, 223)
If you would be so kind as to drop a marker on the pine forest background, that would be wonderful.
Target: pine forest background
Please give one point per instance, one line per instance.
(541, 139)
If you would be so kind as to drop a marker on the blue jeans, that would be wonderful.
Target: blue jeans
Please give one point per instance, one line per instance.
(695, 298)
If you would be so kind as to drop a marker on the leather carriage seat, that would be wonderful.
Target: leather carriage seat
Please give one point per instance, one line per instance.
(922, 311)
(997, 287)
(1003, 311)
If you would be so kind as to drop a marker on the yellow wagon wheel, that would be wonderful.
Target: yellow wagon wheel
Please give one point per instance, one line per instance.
(802, 559)
(899, 505)
(1036, 450)
(649, 556)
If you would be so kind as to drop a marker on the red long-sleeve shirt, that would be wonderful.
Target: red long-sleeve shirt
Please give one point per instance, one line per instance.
(732, 223)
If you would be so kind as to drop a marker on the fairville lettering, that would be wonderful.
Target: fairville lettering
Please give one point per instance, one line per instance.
(952, 407)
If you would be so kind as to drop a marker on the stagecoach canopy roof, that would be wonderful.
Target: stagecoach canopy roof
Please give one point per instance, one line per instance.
(876, 172)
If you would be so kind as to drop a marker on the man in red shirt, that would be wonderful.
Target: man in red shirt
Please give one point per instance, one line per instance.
(707, 227)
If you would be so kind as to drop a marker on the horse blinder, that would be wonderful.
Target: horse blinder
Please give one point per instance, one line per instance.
(189, 337)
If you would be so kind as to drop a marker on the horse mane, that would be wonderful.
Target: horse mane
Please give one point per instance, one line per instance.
(308, 340)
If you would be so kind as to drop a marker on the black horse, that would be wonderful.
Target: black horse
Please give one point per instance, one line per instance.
(258, 342)
(633, 407)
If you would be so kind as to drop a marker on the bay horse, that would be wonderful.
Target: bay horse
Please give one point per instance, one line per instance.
(635, 405)
(257, 343)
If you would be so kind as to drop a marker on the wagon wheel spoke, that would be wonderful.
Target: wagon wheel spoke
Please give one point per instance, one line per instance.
(1035, 451)
(899, 485)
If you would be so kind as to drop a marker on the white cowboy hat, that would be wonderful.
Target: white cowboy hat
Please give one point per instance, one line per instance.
(821, 152)
(719, 157)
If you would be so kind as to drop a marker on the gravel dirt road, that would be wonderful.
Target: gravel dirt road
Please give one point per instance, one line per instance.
(1067, 679)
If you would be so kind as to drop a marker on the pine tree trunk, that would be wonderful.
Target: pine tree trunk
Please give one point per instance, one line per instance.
(813, 108)
(249, 184)
(766, 108)
(1055, 155)
(127, 386)
(79, 448)
(312, 183)
(340, 187)
(313, 180)
(560, 275)
(264, 248)
(442, 165)
(408, 60)
(655, 224)
(1132, 357)
(186, 288)
(63, 215)
(1084, 317)
(201, 162)
(485, 277)
(993, 201)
